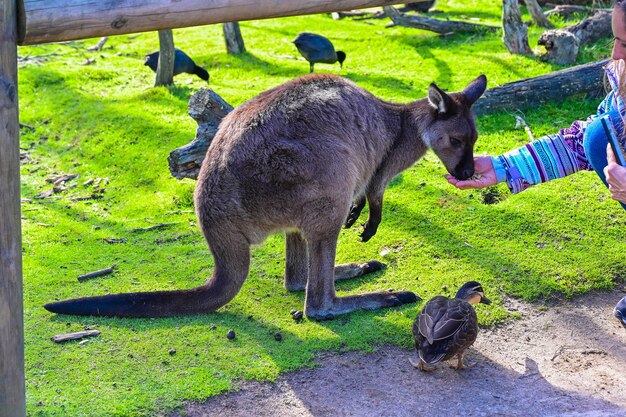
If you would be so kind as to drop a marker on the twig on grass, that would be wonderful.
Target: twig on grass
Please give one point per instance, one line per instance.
(60, 338)
(95, 274)
(520, 122)
(156, 226)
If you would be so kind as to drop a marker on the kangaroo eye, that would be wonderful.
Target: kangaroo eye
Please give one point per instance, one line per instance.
(455, 142)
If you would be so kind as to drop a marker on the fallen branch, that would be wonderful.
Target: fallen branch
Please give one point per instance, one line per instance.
(583, 79)
(60, 338)
(434, 25)
(564, 10)
(94, 274)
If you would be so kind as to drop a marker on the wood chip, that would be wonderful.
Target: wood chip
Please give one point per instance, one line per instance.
(60, 338)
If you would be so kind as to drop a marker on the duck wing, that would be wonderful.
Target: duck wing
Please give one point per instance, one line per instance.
(441, 318)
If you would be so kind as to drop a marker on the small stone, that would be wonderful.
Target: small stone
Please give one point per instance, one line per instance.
(172, 351)
(278, 337)
(296, 315)
(231, 334)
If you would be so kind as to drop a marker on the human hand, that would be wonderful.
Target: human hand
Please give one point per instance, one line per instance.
(483, 168)
(615, 176)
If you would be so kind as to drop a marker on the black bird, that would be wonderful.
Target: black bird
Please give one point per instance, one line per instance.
(316, 48)
(182, 63)
(620, 311)
(447, 326)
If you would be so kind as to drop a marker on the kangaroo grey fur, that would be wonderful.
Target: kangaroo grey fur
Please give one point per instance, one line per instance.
(292, 160)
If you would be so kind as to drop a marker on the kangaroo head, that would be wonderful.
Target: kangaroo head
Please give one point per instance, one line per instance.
(453, 133)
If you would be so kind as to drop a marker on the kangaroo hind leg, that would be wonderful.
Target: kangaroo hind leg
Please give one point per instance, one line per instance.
(297, 264)
(321, 301)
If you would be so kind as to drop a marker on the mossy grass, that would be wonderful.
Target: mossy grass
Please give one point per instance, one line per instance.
(105, 122)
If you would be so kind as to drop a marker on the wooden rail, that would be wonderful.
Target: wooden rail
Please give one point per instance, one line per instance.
(42, 21)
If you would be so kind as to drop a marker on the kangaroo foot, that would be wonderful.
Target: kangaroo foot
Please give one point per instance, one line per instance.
(343, 305)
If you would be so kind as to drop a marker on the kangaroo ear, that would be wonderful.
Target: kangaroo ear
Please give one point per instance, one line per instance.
(475, 89)
(439, 99)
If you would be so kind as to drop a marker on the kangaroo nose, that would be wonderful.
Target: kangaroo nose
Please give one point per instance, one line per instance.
(465, 173)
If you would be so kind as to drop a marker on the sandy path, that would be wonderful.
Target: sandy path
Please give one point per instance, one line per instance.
(568, 360)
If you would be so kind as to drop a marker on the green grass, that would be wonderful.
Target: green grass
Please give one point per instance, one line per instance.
(106, 121)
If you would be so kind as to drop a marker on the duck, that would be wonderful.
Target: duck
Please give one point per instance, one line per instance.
(620, 311)
(446, 327)
(182, 63)
(316, 48)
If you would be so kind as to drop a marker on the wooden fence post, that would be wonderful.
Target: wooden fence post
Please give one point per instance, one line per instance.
(165, 66)
(12, 391)
(233, 38)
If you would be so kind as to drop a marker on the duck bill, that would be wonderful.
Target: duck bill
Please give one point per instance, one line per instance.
(484, 300)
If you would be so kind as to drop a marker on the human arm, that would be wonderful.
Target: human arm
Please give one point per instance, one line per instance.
(539, 161)
(615, 176)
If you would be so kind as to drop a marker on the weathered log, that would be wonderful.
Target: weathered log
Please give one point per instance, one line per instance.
(565, 10)
(562, 45)
(434, 25)
(165, 66)
(567, 2)
(557, 86)
(233, 38)
(208, 109)
(537, 14)
(515, 32)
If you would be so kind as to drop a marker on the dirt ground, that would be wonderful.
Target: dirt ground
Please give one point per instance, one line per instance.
(567, 360)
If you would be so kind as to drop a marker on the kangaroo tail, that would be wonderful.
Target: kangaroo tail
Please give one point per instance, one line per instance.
(231, 270)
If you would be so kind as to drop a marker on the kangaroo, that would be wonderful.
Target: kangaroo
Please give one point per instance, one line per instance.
(293, 159)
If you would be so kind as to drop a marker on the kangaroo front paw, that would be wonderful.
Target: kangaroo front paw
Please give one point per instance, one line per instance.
(355, 212)
(368, 232)
(352, 218)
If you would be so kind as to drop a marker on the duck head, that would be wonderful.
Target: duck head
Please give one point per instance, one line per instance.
(473, 293)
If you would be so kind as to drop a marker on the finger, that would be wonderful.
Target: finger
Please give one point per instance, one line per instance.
(466, 185)
(610, 156)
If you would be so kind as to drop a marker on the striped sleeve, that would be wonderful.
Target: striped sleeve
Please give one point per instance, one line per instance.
(540, 161)
(552, 156)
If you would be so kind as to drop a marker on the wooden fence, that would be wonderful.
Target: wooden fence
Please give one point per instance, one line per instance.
(29, 22)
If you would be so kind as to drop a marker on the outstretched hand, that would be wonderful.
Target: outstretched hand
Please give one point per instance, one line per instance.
(615, 176)
(483, 169)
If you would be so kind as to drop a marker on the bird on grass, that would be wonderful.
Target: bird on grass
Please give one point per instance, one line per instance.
(316, 48)
(620, 311)
(182, 63)
(445, 327)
